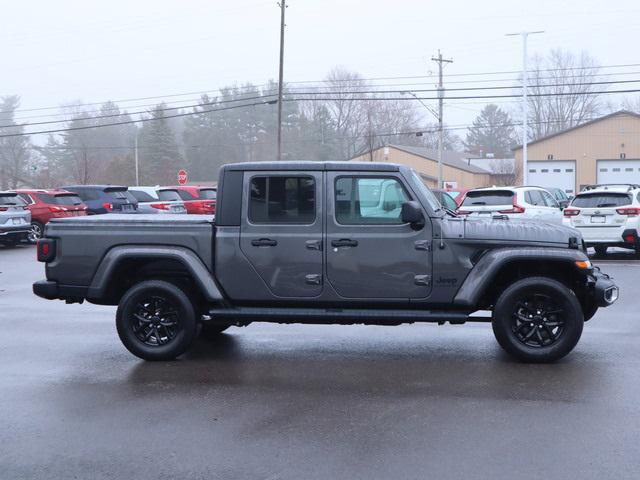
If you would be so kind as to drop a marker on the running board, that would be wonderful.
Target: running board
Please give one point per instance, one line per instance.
(346, 316)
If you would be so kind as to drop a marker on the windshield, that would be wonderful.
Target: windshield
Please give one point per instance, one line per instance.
(426, 193)
(601, 200)
(480, 198)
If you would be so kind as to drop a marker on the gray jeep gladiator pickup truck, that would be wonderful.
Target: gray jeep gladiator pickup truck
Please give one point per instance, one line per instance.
(332, 242)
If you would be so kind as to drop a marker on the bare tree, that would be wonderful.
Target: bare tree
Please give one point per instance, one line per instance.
(632, 104)
(566, 81)
(504, 172)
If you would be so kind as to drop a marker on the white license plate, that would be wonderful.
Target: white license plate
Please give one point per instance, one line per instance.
(598, 219)
(17, 221)
(179, 210)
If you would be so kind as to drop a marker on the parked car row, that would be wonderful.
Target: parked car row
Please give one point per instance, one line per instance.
(606, 215)
(25, 212)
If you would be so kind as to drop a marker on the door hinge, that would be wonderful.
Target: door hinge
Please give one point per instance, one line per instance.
(313, 279)
(422, 245)
(422, 280)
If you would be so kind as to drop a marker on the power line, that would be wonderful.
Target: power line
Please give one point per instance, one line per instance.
(351, 92)
(128, 122)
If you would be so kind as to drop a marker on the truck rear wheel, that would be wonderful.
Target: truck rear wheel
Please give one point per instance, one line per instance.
(538, 320)
(156, 320)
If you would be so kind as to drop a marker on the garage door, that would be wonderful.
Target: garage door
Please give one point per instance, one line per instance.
(618, 171)
(553, 173)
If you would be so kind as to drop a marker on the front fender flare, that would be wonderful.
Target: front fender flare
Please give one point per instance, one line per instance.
(114, 257)
(488, 267)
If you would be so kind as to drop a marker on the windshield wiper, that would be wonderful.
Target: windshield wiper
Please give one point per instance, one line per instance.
(478, 203)
(603, 205)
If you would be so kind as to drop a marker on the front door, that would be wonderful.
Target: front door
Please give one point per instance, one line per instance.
(371, 253)
(281, 230)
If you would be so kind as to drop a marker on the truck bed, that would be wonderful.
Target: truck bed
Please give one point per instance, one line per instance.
(83, 241)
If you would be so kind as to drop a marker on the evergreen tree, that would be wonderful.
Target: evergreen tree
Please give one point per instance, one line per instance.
(492, 132)
(159, 157)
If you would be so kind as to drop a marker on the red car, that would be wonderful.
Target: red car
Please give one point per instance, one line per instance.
(47, 204)
(196, 199)
(457, 194)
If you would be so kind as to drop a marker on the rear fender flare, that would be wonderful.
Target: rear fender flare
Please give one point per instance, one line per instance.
(114, 257)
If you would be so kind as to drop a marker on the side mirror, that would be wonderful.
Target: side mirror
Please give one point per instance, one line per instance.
(412, 213)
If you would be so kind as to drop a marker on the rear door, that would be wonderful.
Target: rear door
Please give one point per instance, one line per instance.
(552, 213)
(282, 230)
(598, 209)
(371, 253)
(485, 203)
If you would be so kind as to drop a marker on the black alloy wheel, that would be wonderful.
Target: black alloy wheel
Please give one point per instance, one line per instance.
(537, 319)
(156, 320)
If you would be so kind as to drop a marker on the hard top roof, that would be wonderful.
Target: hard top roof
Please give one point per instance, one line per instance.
(314, 166)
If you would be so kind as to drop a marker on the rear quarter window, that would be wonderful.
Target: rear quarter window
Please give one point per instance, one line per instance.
(490, 198)
(601, 200)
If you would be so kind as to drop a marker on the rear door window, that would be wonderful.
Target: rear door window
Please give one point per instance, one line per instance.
(282, 199)
(548, 199)
(601, 200)
(481, 198)
(534, 197)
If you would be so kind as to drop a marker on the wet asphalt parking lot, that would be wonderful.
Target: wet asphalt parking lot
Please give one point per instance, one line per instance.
(311, 402)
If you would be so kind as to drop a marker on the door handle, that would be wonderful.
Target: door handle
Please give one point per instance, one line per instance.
(344, 242)
(264, 242)
(313, 244)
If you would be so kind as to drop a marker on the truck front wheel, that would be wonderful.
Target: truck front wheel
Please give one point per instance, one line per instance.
(156, 320)
(538, 320)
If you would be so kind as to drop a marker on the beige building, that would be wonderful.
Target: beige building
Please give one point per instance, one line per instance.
(456, 170)
(604, 150)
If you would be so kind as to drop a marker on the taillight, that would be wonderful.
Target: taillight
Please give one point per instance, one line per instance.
(57, 209)
(160, 206)
(107, 206)
(515, 209)
(46, 249)
(630, 212)
(4, 209)
(570, 212)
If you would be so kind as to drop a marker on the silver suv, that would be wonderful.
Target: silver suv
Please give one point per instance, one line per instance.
(15, 219)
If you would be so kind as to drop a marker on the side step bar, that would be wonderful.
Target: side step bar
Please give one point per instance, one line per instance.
(246, 315)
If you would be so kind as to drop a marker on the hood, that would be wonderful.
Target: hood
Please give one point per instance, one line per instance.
(509, 230)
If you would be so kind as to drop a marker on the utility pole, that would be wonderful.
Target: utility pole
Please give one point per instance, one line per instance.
(439, 60)
(135, 156)
(283, 5)
(525, 105)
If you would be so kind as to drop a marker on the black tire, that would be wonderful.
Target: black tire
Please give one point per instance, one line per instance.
(212, 330)
(538, 320)
(37, 229)
(156, 320)
(601, 250)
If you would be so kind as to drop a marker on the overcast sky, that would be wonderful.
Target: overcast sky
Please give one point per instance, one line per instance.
(62, 51)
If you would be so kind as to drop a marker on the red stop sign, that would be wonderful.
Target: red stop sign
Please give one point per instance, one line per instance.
(182, 177)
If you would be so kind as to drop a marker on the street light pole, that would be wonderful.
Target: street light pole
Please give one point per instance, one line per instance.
(525, 105)
(439, 60)
(283, 6)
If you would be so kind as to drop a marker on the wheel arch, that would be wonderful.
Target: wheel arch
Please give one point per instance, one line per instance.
(123, 266)
(497, 269)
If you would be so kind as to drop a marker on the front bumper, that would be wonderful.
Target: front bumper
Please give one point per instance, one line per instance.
(605, 292)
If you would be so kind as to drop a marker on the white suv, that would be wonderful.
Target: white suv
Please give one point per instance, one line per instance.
(607, 216)
(526, 203)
